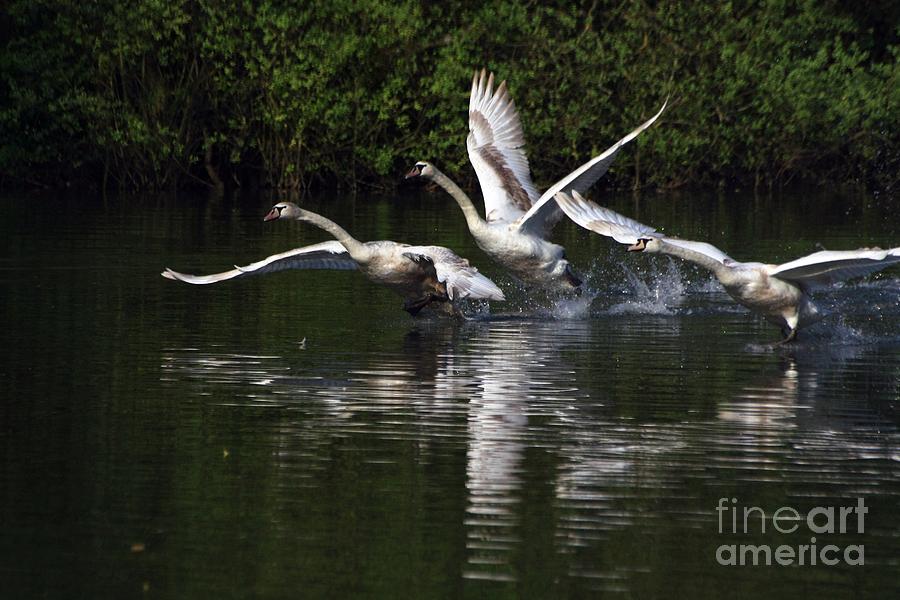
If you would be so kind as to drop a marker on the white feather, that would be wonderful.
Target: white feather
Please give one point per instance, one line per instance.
(327, 255)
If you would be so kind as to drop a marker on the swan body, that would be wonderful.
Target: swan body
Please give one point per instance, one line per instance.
(423, 275)
(517, 218)
(780, 293)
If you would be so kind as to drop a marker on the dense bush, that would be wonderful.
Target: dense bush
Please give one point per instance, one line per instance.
(156, 93)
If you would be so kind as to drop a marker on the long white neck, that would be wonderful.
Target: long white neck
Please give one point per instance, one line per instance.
(698, 258)
(358, 251)
(473, 219)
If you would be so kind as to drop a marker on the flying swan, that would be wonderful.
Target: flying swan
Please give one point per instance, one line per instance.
(424, 275)
(780, 293)
(518, 219)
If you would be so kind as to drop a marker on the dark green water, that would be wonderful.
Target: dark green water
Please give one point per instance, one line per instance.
(162, 440)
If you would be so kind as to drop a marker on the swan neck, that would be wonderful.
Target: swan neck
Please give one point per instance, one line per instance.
(355, 248)
(698, 258)
(473, 219)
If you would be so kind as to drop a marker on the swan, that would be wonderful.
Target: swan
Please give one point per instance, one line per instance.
(517, 220)
(780, 293)
(422, 274)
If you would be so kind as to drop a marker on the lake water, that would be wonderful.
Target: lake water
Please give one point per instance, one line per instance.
(174, 441)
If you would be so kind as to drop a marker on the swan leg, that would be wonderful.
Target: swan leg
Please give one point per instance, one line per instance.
(790, 337)
(413, 307)
(572, 278)
(456, 313)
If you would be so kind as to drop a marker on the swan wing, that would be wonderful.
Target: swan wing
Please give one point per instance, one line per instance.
(496, 147)
(603, 220)
(462, 279)
(624, 230)
(830, 266)
(327, 255)
(544, 214)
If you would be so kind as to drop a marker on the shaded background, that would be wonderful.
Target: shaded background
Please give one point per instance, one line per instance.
(302, 95)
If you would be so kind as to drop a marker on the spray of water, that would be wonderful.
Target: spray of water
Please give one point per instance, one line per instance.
(659, 293)
(573, 308)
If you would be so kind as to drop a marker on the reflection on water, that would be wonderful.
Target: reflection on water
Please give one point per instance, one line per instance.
(518, 368)
(554, 449)
(297, 433)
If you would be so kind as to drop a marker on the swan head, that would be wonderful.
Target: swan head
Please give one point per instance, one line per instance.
(421, 169)
(645, 245)
(283, 210)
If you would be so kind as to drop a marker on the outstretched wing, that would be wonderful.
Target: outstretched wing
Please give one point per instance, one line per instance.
(544, 214)
(603, 220)
(327, 255)
(622, 229)
(462, 279)
(830, 266)
(496, 149)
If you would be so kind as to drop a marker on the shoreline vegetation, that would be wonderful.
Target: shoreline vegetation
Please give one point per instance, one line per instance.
(309, 96)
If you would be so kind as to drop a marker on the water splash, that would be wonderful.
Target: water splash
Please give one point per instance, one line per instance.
(833, 336)
(841, 333)
(709, 285)
(573, 308)
(659, 294)
(476, 310)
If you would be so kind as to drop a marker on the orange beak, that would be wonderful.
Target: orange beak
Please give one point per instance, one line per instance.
(641, 244)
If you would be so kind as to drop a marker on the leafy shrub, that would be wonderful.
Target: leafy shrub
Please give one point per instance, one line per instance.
(157, 93)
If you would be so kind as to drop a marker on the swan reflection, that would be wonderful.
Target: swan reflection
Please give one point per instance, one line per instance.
(553, 428)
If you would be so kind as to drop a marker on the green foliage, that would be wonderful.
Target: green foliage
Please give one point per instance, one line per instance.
(158, 93)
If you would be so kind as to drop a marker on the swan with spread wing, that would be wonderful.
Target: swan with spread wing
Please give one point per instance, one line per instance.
(517, 218)
(424, 275)
(780, 293)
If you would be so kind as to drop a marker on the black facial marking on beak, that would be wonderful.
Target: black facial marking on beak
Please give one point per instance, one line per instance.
(414, 172)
